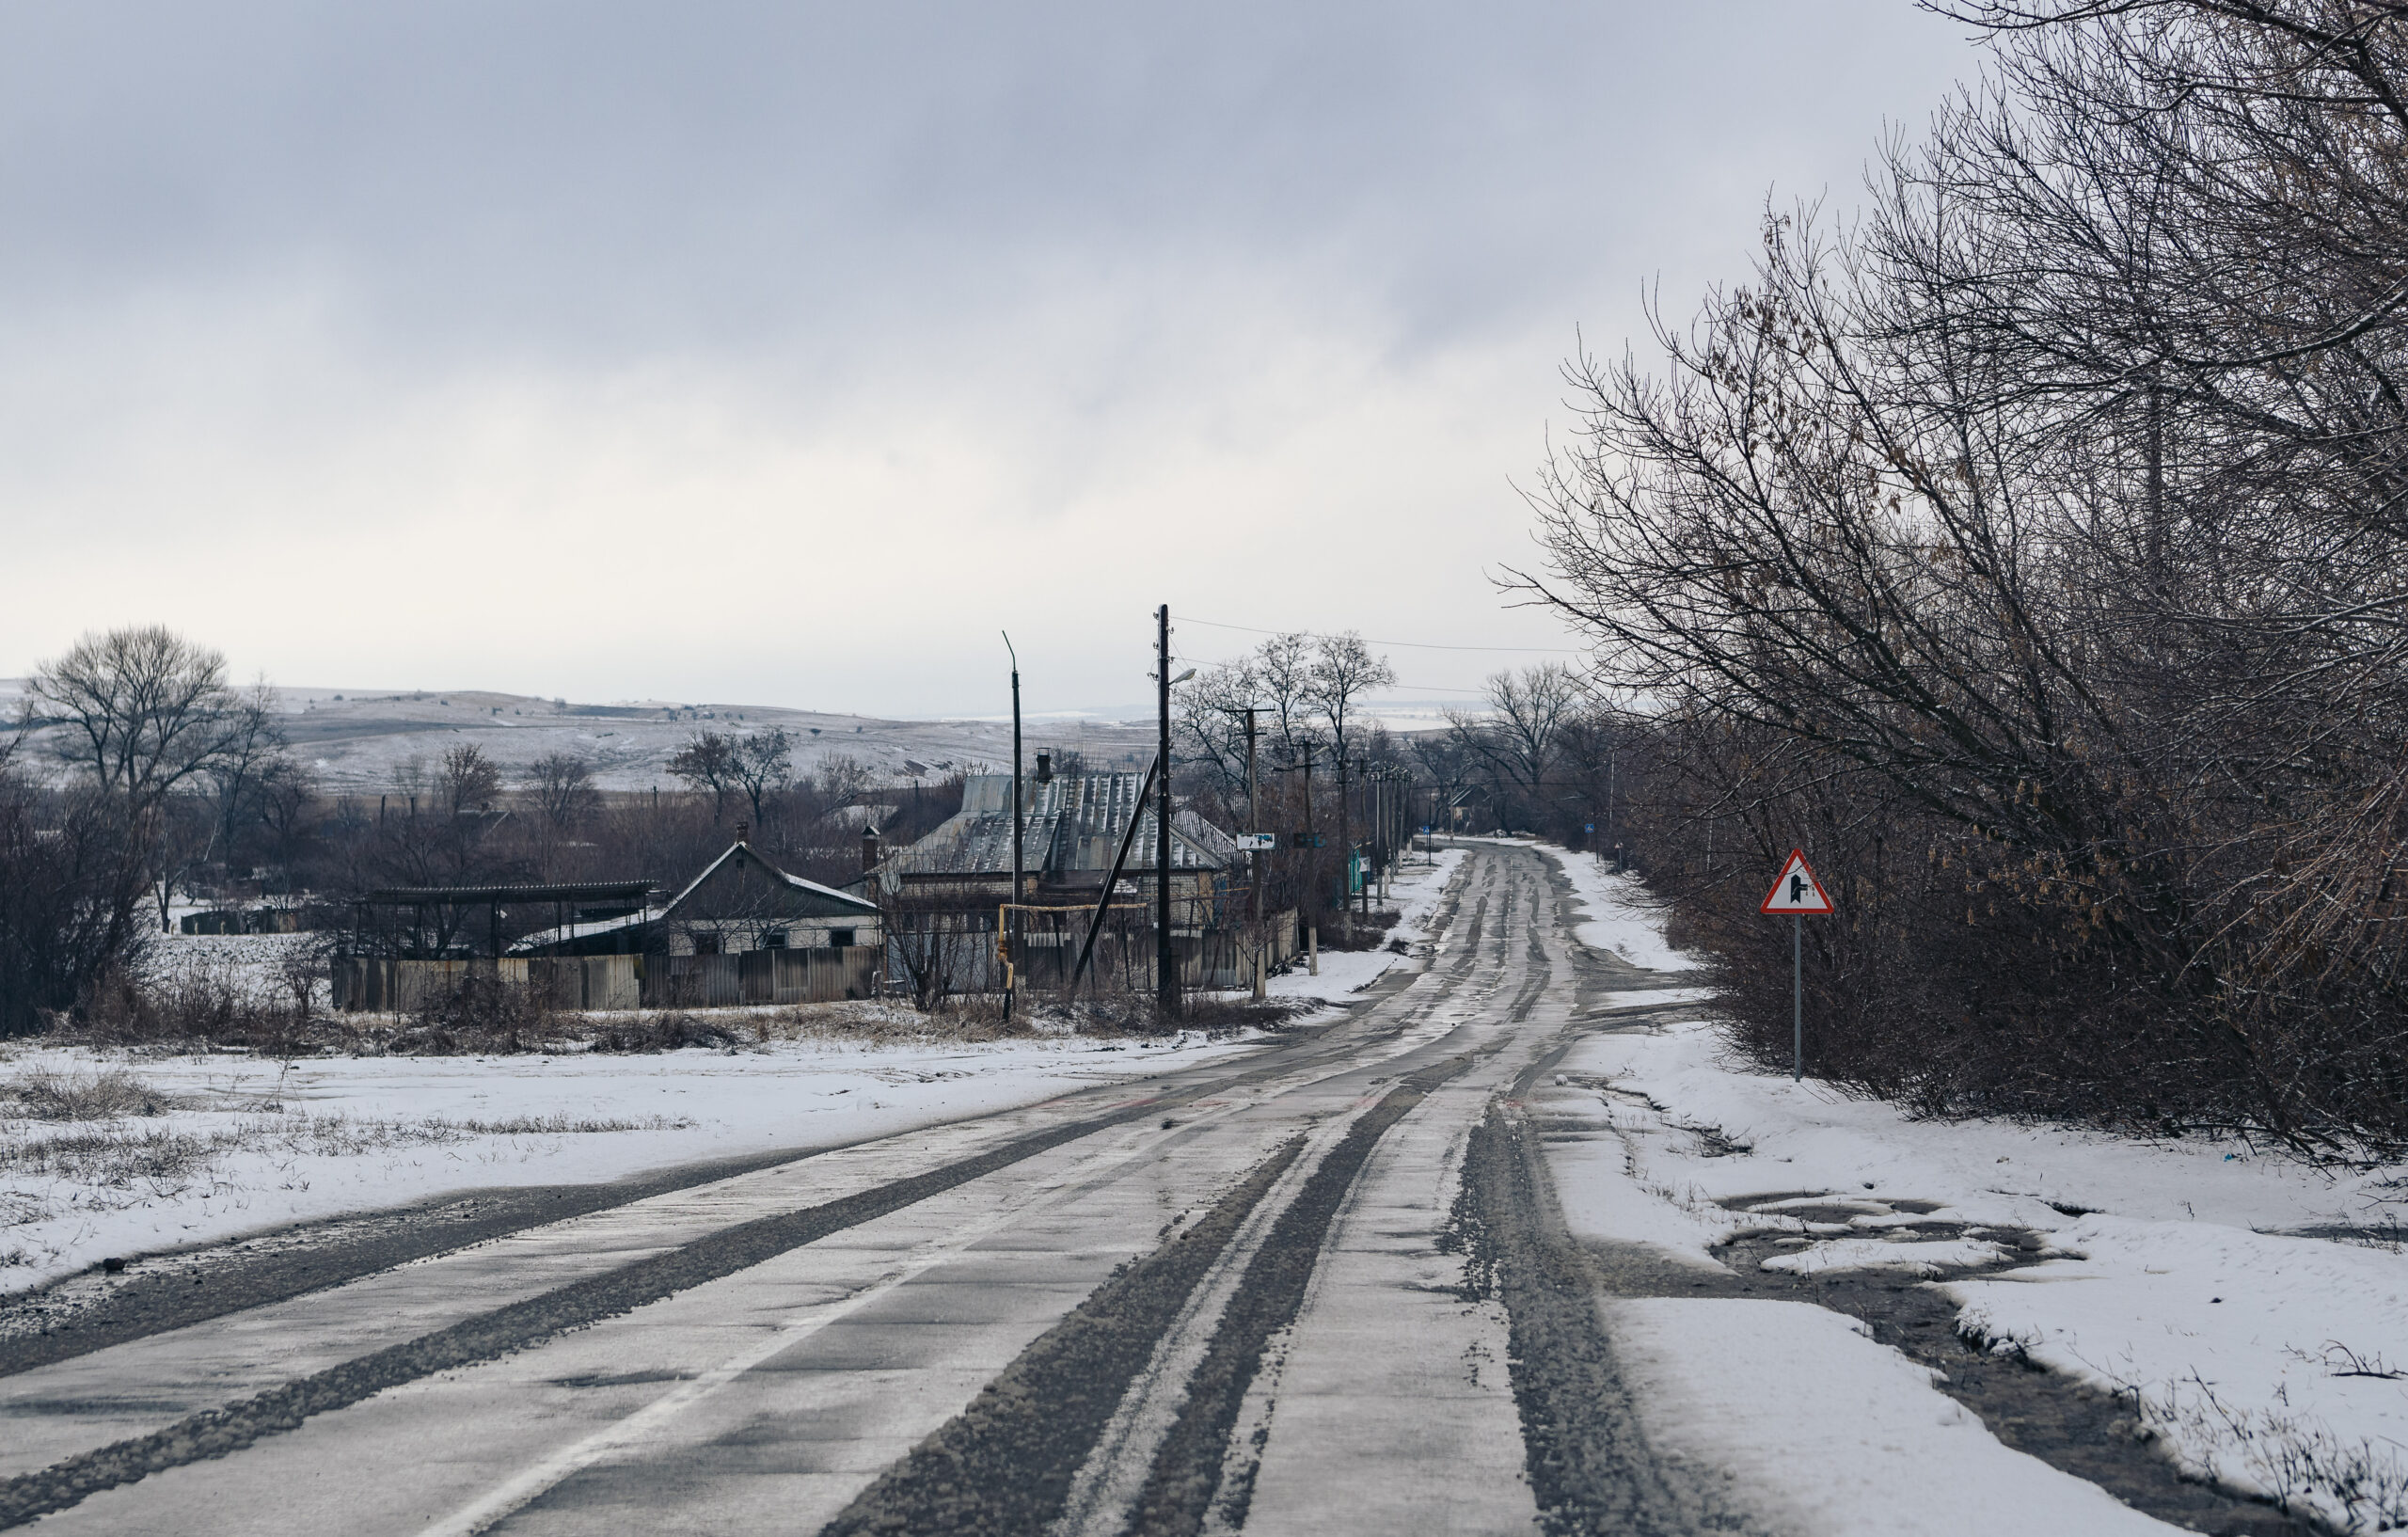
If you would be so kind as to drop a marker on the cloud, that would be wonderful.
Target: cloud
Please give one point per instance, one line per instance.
(785, 353)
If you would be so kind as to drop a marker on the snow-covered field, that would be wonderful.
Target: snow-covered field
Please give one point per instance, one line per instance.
(2178, 1272)
(243, 1143)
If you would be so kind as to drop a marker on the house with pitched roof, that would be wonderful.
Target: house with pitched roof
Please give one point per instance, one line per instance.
(740, 902)
(956, 880)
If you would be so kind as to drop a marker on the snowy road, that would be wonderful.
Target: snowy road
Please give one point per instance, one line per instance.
(1325, 1288)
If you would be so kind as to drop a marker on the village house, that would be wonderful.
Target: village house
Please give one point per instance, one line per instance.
(740, 902)
(946, 892)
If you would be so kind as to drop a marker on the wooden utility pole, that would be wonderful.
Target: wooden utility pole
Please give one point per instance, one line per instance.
(1346, 847)
(1020, 824)
(1254, 826)
(1165, 953)
(1312, 861)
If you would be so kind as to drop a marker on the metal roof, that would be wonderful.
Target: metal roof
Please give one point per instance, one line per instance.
(1073, 828)
(745, 852)
(580, 890)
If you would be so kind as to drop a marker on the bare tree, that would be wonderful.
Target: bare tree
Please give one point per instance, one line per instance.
(707, 762)
(561, 785)
(2035, 548)
(1516, 739)
(1281, 674)
(1211, 723)
(71, 887)
(1343, 671)
(467, 781)
(144, 709)
(760, 764)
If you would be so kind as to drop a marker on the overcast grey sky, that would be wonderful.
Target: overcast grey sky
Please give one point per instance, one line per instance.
(784, 353)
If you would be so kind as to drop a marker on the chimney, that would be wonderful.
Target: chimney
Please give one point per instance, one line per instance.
(1045, 767)
(743, 831)
(869, 849)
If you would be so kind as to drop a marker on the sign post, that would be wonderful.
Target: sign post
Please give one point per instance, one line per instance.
(1799, 895)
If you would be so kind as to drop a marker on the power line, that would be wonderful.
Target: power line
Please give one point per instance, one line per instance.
(1419, 645)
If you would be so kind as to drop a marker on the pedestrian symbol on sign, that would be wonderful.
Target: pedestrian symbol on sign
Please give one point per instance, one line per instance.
(1796, 891)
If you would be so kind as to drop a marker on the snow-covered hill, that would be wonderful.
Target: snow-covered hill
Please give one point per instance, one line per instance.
(365, 739)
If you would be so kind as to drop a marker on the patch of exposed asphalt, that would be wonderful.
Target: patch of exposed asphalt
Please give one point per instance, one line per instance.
(1590, 1467)
(1005, 1465)
(161, 1291)
(214, 1433)
(1186, 1471)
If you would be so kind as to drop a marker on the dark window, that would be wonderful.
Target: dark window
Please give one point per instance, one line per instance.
(707, 945)
(840, 939)
(775, 939)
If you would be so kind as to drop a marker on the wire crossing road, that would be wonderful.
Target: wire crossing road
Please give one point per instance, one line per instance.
(1321, 1290)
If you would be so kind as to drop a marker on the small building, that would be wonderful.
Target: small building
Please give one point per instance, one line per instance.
(741, 902)
(1071, 828)
(948, 890)
(743, 931)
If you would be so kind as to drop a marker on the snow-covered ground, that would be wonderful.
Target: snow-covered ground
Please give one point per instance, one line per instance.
(1622, 918)
(2178, 1272)
(240, 1143)
(255, 966)
(243, 1143)
(1414, 892)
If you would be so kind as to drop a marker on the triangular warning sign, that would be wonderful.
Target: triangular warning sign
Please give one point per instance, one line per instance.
(1796, 891)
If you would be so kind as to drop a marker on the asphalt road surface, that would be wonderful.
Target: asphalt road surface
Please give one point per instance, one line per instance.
(1322, 1288)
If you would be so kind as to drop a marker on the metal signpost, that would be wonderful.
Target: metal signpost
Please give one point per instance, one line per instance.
(1798, 894)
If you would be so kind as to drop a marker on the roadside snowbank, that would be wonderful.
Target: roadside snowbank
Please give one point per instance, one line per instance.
(246, 1142)
(2274, 1364)
(1623, 917)
(1855, 1441)
(1416, 891)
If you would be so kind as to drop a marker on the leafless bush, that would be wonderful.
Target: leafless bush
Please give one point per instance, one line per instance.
(45, 1094)
(195, 1004)
(1367, 933)
(667, 1030)
(1116, 1012)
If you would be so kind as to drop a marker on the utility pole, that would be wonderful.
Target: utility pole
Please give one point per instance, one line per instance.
(1363, 772)
(1346, 844)
(1254, 826)
(1312, 923)
(1165, 954)
(1020, 823)
(1379, 872)
(1387, 831)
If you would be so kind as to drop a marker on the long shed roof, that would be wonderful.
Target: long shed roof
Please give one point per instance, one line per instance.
(1074, 826)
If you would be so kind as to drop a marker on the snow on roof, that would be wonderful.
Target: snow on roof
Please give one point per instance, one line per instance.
(1073, 824)
(542, 938)
(747, 850)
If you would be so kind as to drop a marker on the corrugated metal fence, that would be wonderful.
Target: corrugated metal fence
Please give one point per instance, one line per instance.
(607, 982)
(760, 977)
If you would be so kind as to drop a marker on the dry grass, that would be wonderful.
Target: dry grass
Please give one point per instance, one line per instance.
(206, 1010)
(40, 1094)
